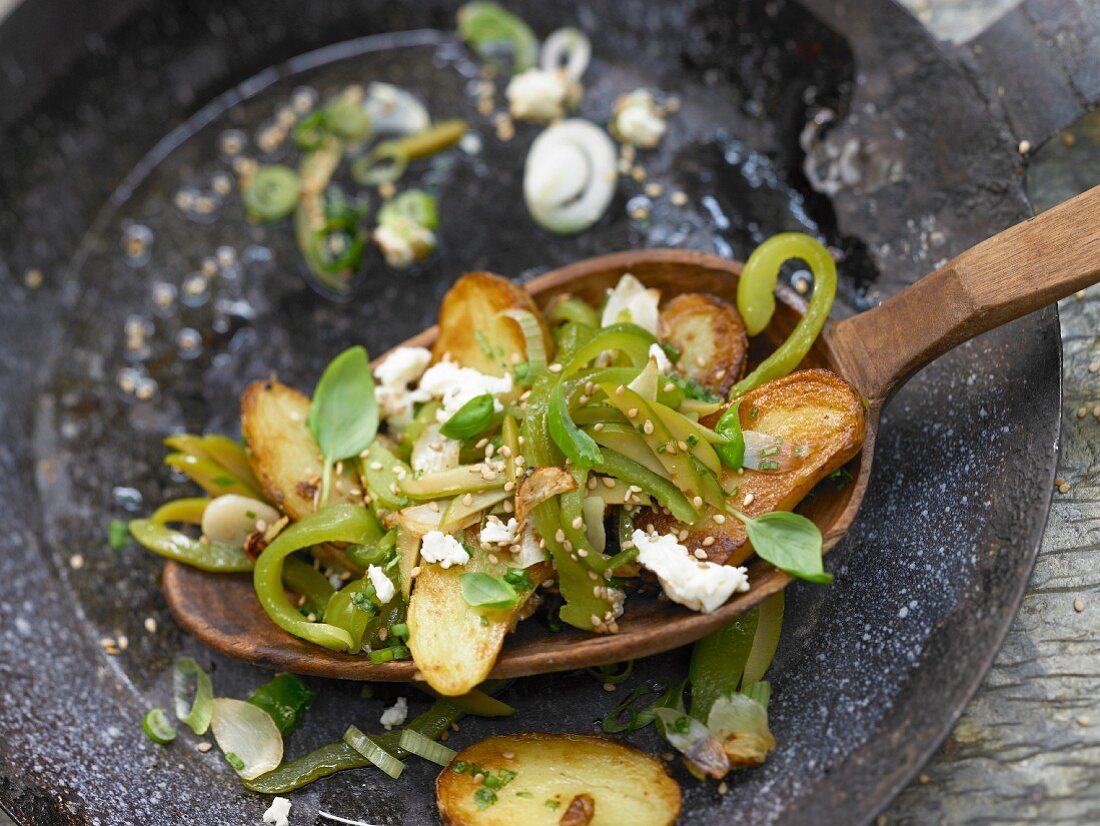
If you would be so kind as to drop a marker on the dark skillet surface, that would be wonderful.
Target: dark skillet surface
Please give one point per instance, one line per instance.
(871, 672)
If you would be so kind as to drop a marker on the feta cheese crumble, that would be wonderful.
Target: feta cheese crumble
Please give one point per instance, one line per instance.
(401, 368)
(456, 385)
(396, 714)
(701, 586)
(637, 120)
(542, 96)
(278, 812)
(383, 586)
(403, 242)
(443, 548)
(631, 301)
(495, 532)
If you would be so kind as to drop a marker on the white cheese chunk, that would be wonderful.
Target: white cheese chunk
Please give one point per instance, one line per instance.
(383, 586)
(278, 812)
(637, 120)
(495, 532)
(443, 548)
(403, 366)
(701, 586)
(456, 385)
(631, 301)
(396, 714)
(541, 96)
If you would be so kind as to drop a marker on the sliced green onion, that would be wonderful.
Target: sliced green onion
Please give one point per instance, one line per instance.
(532, 337)
(416, 743)
(248, 733)
(488, 29)
(385, 164)
(370, 748)
(569, 177)
(272, 194)
(196, 714)
(156, 726)
(416, 205)
(612, 673)
(470, 419)
(401, 631)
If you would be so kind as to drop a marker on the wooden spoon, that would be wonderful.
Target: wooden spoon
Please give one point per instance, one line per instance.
(1005, 277)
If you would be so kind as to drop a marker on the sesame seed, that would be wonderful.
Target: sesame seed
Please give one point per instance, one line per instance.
(697, 501)
(203, 747)
(555, 368)
(578, 523)
(700, 553)
(608, 482)
(559, 535)
(151, 625)
(632, 412)
(620, 390)
(1024, 147)
(415, 572)
(1078, 605)
(682, 445)
(468, 499)
(647, 427)
(720, 518)
(582, 553)
(749, 497)
(76, 562)
(708, 541)
(123, 641)
(509, 486)
(508, 755)
(598, 426)
(679, 198)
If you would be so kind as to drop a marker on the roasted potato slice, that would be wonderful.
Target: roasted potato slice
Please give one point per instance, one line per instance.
(452, 647)
(815, 411)
(711, 339)
(472, 331)
(283, 454)
(558, 779)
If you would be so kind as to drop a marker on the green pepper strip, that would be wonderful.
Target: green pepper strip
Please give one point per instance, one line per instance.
(660, 488)
(216, 557)
(188, 510)
(484, 25)
(718, 661)
(310, 222)
(337, 757)
(400, 151)
(210, 476)
(540, 451)
(305, 580)
(756, 302)
(630, 339)
(219, 449)
(335, 523)
(341, 612)
(286, 698)
(575, 310)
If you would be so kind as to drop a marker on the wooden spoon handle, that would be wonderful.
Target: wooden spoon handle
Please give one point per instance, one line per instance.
(1015, 272)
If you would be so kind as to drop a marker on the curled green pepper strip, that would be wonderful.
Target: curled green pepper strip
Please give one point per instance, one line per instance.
(756, 302)
(335, 523)
(216, 557)
(188, 510)
(388, 160)
(574, 310)
(487, 26)
(210, 476)
(629, 339)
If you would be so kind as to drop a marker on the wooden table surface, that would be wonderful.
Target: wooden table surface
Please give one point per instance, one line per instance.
(1027, 749)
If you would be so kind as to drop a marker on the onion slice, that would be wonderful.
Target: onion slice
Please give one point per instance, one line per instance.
(532, 337)
(566, 48)
(416, 743)
(248, 737)
(394, 110)
(569, 177)
(196, 714)
(372, 751)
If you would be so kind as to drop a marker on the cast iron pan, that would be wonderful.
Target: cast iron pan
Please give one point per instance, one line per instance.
(101, 129)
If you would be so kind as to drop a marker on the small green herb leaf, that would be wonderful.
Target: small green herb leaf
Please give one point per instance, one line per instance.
(732, 453)
(118, 534)
(343, 415)
(470, 419)
(519, 579)
(788, 541)
(480, 589)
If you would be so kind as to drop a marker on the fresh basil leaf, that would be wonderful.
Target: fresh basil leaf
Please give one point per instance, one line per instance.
(573, 442)
(480, 589)
(470, 419)
(788, 541)
(343, 415)
(732, 453)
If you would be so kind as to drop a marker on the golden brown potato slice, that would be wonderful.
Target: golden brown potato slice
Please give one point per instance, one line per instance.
(558, 778)
(451, 646)
(472, 331)
(814, 410)
(711, 339)
(283, 454)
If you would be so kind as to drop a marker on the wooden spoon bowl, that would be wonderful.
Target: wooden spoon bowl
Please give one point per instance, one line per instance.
(1016, 272)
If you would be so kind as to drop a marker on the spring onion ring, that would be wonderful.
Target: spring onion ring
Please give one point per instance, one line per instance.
(569, 177)
(532, 337)
(370, 748)
(488, 29)
(416, 743)
(566, 48)
(196, 714)
(157, 728)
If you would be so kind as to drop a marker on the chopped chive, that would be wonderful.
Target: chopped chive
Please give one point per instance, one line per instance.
(484, 798)
(118, 534)
(234, 761)
(400, 630)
